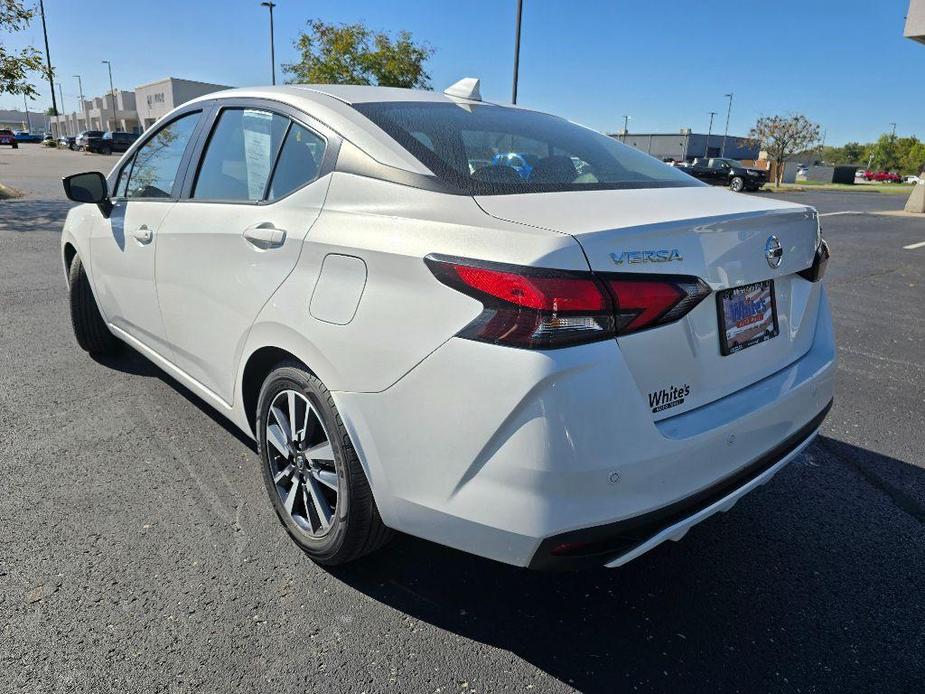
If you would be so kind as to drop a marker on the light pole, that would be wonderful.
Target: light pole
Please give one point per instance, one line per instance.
(706, 147)
(626, 125)
(893, 133)
(270, 6)
(520, 11)
(54, 105)
(83, 106)
(112, 92)
(722, 151)
(61, 101)
(28, 120)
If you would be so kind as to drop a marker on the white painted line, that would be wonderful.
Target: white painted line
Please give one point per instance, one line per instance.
(832, 214)
(913, 246)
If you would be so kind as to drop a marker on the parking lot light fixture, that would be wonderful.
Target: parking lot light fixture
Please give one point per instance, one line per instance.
(722, 151)
(112, 94)
(706, 146)
(83, 106)
(270, 6)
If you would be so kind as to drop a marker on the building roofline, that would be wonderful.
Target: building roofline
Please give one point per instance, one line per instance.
(181, 79)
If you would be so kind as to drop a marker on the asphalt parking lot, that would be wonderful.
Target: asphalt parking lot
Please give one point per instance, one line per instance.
(139, 552)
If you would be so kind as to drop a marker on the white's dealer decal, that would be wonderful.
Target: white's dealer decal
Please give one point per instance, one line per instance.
(672, 396)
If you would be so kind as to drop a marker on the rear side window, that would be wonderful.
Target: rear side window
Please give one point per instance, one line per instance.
(239, 156)
(299, 161)
(486, 149)
(158, 160)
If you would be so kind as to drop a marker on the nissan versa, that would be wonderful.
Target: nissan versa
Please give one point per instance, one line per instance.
(551, 365)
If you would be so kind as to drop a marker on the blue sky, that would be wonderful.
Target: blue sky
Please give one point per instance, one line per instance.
(666, 63)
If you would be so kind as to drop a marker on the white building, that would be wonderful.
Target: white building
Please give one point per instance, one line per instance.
(131, 111)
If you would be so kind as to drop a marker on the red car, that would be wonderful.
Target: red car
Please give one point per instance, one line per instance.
(883, 176)
(8, 138)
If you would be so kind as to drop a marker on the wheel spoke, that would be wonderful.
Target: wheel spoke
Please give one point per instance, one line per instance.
(290, 498)
(277, 438)
(304, 436)
(282, 423)
(322, 451)
(282, 473)
(327, 478)
(292, 429)
(318, 500)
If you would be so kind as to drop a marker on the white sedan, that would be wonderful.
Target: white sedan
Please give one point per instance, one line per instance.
(553, 365)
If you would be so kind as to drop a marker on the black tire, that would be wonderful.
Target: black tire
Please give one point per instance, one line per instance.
(15, 146)
(106, 150)
(355, 527)
(737, 184)
(89, 328)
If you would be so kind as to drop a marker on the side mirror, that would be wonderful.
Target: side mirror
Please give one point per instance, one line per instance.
(89, 187)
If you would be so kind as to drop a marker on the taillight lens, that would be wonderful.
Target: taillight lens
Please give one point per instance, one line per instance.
(647, 301)
(539, 308)
(527, 307)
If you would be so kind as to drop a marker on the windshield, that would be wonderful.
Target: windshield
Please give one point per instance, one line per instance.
(493, 150)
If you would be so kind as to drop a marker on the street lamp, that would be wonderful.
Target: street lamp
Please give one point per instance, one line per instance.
(83, 105)
(706, 147)
(626, 120)
(722, 152)
(112, 92)
(61, 101)
(270, 6)
(54, 105)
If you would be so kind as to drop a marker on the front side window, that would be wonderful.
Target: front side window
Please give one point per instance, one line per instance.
(486, 149)
(239, 156)
(158, 160)
(299, 161)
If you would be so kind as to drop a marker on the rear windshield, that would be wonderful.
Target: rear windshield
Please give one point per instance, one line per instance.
(493, 150)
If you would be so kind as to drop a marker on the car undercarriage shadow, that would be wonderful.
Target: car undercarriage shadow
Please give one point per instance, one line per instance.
(804, 586)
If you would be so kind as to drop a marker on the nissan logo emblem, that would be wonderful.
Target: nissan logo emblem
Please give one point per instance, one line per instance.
(773, 251)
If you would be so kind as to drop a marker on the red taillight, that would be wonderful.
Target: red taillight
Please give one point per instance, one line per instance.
(646, 301)
(538, 308)
(529, 307)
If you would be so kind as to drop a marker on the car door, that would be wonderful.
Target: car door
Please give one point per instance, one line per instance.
(122, 247)
(236, 234)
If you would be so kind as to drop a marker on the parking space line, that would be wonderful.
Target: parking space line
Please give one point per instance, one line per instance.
(913, 246)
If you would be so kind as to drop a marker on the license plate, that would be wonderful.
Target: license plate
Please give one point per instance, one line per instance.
(747, 316)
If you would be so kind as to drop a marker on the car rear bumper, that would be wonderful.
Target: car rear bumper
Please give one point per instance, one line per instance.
(509, 453)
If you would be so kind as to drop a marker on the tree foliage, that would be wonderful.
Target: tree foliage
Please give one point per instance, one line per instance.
(784, 136)
(15, 66)
(903, 155)
(355, 54)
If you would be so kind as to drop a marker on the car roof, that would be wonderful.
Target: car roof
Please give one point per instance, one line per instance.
(332, 104)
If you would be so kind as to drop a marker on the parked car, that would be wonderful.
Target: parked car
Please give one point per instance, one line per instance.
(8, 138)
(726, 172)
(67, 142)
(84, 137)
(110, 142)
(911, 179)
(556, 371)
(884, 177)
(26, 136)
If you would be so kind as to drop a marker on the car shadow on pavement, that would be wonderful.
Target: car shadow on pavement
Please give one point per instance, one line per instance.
(812, 583)
(22, 216)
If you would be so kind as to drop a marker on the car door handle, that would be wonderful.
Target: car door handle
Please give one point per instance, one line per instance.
(265, 235)
(143, 234)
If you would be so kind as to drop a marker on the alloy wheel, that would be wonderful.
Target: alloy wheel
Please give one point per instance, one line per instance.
(302, 464)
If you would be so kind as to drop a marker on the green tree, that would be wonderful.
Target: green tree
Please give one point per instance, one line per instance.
(16, 66)
(782, 137)
(853, 153)
(355, 54)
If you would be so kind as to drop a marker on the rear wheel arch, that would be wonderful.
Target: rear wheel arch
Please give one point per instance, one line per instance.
(259, 365)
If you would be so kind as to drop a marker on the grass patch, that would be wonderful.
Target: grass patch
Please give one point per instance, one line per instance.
(7, 193)
(882, 188)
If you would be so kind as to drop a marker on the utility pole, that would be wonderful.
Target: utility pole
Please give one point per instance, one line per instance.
(112, 93)
(706, 147)
(270, 6)
(54, 104)
(520, 11)
(626, 121)
(83, 105)
(893, 133)
(722, 151)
